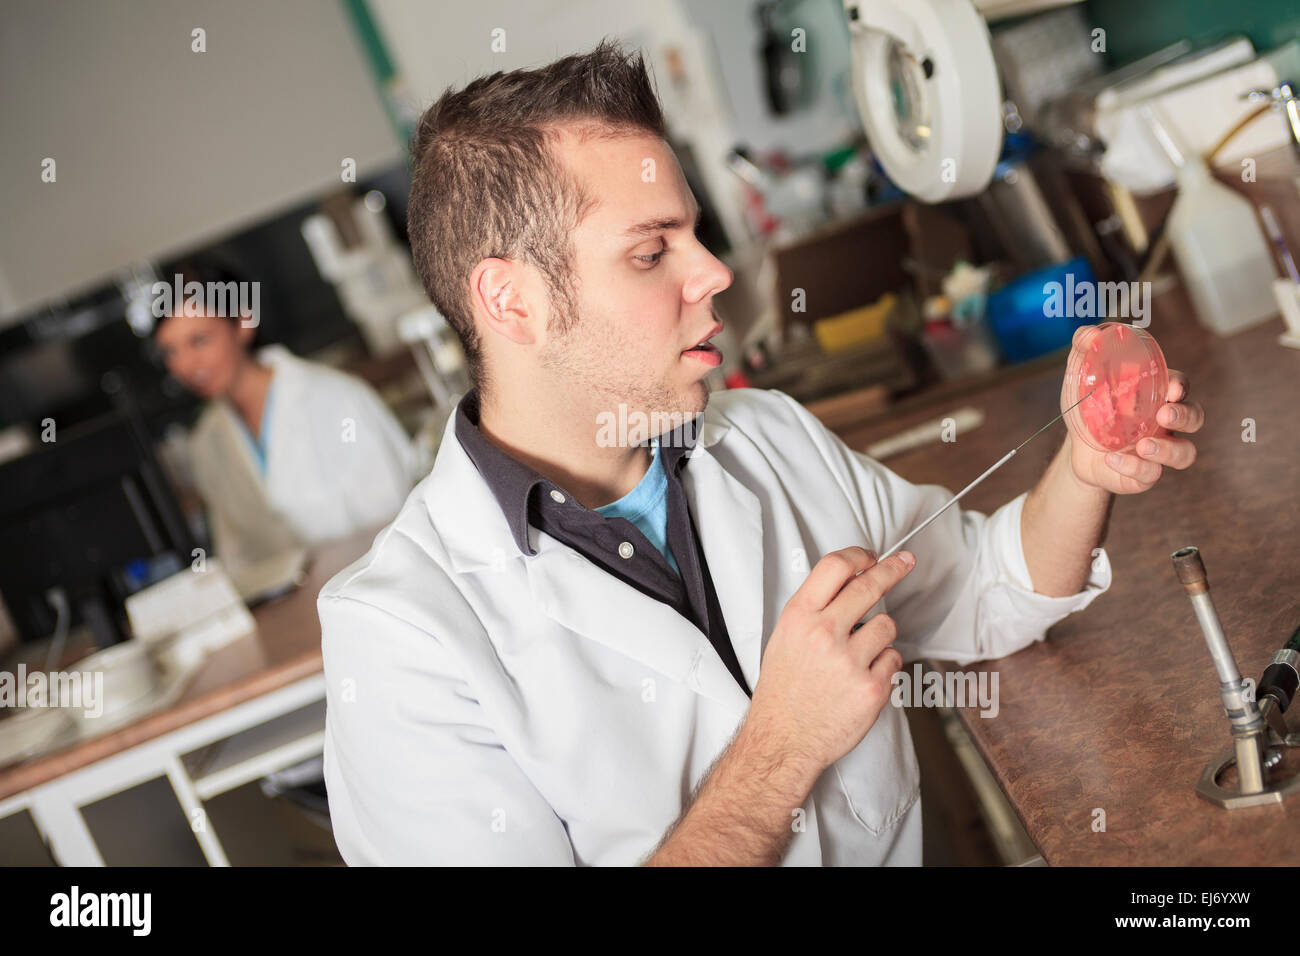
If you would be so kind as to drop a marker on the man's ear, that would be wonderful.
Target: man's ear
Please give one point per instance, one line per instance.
(498, 297)
(244, 334)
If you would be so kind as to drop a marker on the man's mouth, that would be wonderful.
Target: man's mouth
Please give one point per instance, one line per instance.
(705, 350)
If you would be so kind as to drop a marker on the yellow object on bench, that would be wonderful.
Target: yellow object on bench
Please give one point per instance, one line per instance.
(857, 327)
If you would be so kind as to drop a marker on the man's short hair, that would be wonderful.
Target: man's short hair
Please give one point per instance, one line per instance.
(486, 184)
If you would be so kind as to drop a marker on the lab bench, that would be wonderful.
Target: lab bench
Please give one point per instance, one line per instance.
(255, 706)
(1111, 720)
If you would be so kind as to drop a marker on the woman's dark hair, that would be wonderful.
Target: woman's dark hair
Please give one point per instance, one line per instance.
(205, 269)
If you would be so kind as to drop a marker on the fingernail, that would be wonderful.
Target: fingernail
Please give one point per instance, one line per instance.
(907, 558)
(1112, 460)
(1148, 447)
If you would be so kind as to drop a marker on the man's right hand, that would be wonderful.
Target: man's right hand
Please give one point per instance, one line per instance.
(821, 687)
(823, 684)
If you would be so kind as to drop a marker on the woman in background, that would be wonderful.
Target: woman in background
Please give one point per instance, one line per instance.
(287, 453)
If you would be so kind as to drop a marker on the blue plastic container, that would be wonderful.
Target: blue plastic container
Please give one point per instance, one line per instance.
(1036, 313)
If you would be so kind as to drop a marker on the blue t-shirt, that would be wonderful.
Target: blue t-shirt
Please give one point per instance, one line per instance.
(646, 506)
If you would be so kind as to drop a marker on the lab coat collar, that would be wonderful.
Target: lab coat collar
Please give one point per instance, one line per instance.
(588, 600)
(468, 517)
(512, 482)
(279, 358)
(509, 479)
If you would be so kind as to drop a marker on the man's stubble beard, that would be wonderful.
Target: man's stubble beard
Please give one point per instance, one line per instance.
(579, 359)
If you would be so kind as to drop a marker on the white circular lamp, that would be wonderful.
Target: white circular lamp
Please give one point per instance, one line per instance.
(927, 88)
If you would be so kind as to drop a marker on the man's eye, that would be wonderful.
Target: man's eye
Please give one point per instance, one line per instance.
(653, 257)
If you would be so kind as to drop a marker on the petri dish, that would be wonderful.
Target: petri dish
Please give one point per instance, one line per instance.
(1125, 371)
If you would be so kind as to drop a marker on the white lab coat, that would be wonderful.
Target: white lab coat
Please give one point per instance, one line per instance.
(485, 707)
(337, 462)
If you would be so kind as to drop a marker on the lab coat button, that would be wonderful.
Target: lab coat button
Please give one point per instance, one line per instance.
(625, 549)
(559, 498)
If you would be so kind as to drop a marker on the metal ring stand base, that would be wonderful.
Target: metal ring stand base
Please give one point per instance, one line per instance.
(1208, 786)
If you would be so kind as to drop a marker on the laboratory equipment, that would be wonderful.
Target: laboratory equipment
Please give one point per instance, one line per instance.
(957, 497)
(189, 613)
(76, 515)
(957, 350)
(130, 674)
(927, 88)
(1030, 233)
(1038, 312)
(1198, 96)
(936, 429)
(1127, 370)
(438, 355)
(1281, 97)
(1286, 292)
(789, 78)
(1259, 732)
(355, 250)
(1220, 249)
(32, 730)
(117, 686)
(1275, 236)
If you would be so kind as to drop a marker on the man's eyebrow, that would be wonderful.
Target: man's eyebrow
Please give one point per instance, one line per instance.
(650, 226)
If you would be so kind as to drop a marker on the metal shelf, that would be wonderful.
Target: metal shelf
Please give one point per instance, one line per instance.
(251, 754)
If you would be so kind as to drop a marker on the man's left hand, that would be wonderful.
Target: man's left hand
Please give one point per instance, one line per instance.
(1138, 469)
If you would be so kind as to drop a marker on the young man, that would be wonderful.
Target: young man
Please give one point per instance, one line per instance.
(552, 655)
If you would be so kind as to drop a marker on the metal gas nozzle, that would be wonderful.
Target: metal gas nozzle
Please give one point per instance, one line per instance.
(1247, 724)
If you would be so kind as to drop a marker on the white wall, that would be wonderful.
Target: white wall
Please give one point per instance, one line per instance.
(159, 148)
(437, 45)
(440, 44)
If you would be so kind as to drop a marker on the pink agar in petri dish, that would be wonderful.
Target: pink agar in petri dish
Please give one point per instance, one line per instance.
(1125, 370)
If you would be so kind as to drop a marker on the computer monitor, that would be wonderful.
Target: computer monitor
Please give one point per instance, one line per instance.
(91, 513)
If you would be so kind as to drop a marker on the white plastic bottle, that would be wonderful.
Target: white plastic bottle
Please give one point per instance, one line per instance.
(1218, 245)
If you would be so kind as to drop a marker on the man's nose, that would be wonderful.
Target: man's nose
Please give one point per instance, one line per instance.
(713, 277)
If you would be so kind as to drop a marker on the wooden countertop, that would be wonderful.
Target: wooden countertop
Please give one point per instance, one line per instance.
(285, 648)
(1119, 709)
